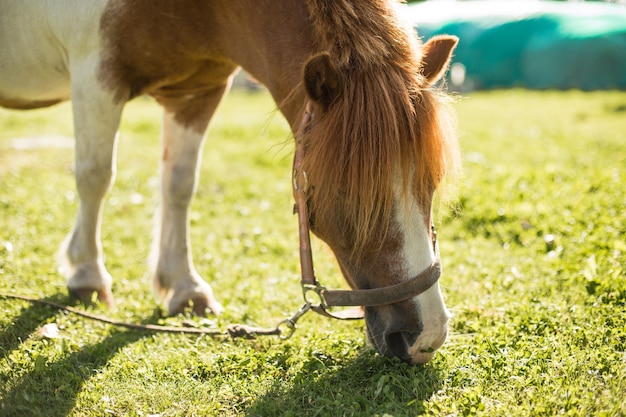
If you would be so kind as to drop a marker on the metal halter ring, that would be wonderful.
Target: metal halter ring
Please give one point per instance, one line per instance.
(313, 294)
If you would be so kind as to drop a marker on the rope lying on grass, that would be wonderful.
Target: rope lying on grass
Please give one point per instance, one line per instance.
(233, 330)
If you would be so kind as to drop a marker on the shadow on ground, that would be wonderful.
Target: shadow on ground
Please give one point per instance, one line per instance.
(367, 385)
(51, 388)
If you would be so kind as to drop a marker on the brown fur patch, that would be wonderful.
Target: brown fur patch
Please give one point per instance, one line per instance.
(189, 47)
(165, 51)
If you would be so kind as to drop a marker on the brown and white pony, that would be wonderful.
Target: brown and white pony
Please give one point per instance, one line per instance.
(381, 141)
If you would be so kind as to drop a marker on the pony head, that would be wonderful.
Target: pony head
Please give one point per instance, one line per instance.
(381, 141)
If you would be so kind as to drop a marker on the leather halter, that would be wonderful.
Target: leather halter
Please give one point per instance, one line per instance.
(317, 297)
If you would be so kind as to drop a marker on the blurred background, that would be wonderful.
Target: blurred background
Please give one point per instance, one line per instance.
(529, 43)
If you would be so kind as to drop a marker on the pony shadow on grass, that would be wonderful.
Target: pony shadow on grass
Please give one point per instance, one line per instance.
(367, 385)
(51, 388)
(24, 325)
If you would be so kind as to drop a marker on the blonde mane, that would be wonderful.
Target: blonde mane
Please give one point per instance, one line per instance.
(384, 122)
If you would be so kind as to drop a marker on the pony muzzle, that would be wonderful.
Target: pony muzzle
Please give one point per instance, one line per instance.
(399, 331)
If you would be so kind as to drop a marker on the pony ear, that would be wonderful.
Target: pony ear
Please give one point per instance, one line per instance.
(322, 80)
(437, 55)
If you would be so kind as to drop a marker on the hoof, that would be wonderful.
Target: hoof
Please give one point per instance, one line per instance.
(86, 295)
(201, 305)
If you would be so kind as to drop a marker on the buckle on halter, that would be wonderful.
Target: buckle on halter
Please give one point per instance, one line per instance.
(297, 185)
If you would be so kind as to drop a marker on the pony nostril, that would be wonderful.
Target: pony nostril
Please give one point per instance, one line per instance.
(398, 344)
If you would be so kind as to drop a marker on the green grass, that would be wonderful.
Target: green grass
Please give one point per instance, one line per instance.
(539, 328)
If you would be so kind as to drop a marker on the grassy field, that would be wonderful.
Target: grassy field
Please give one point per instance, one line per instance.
(539, 326)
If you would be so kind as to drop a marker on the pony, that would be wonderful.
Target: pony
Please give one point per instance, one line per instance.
(381, 139)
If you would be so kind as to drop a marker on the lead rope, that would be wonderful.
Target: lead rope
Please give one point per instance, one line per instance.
(284, 329)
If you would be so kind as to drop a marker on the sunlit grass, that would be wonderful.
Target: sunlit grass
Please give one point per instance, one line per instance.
(539, 326)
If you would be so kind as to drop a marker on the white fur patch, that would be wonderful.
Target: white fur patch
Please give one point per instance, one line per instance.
(418, 254)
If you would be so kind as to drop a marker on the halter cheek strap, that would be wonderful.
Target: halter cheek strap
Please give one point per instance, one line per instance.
(317, 297)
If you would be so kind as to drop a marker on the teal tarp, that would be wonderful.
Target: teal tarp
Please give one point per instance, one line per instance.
(533, 44)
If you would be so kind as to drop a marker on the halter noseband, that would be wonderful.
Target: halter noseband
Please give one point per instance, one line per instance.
(312, 290)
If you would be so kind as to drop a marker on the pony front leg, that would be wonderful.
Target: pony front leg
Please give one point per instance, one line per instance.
(175, 278)
(96, 120)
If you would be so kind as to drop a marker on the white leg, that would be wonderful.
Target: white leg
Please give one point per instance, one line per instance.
(96, 120)
(175, 278)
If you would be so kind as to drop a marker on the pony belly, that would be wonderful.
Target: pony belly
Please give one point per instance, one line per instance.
(28, 87)
(23, 103)
(33, 57)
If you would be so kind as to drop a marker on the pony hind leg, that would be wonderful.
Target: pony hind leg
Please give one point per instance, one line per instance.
(96, 120)
(176, 280)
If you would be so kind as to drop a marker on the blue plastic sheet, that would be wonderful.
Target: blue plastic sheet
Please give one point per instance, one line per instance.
(532, 44)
